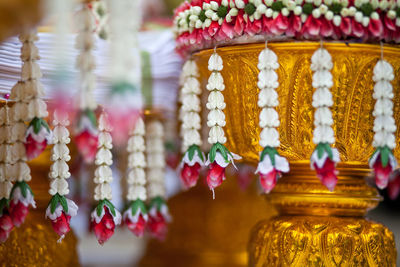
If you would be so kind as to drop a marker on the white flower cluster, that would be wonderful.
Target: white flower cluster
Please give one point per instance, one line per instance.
(321, 64)
(28, 92)
(268, 98)
(191, 122)
(59, 170)
(215, 103)
(155, 159)
(384, 124)
(85, 61)
(6, 174)
(137, 163)
(103, 173)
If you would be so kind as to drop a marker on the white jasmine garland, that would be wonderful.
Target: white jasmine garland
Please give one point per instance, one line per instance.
(136, 147)
(155, 159)
(270, 161)
(384, 123)
(6, 180)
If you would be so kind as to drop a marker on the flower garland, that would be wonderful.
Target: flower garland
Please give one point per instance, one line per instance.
(60, 209)
(6, 181)
(31, 107)
(193, 158)
(271, 164)
(105, 216)
(324, 157)
(201, 24)
(394, 185)
(135, 216)
(382, 161)
(158, 210)
(86, 136)
(219, 156)
(125, 100)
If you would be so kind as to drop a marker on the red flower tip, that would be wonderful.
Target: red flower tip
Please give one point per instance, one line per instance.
(61, 224)
(190, 174)
(6, 226)
(158, 226)
(34, 148)
(215, 176)
(18, 212)
(268, 180)
(137, 228)
(87, 145)
(327, 174)
(382, 173)
(105, 228)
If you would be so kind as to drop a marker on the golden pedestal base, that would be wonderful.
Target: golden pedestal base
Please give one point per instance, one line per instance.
(321, 241)
(316, 227)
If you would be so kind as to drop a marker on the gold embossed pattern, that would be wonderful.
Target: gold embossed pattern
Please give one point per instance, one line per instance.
(352, 96)
(321, 241)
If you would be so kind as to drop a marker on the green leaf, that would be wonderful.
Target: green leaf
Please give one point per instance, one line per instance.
(191, 151)
(320, 150)
(199, 153)
(223, 150)
(63, 203)
(308, 8)
(122, 87)
(23, 188)
(277, 6)
(110, 206)
(53, 203)
(3, 204)
(385, 152)
(138, 204)
(222, 11)
(157, 202)
(36, 124)
(271, 153)
(92, 116)
(249, 9)
(213, 153)
(202, 16)
(99, 208)
(336, 8)
(45, 125)
(328, 150)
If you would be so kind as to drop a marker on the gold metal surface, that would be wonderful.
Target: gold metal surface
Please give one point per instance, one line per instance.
(35, 242)
(306, 233)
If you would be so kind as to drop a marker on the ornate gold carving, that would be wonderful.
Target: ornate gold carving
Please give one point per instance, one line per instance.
(321, 241)
(353, 86)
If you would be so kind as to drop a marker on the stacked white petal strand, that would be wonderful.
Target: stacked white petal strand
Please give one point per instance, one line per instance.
(324, 157)
(193, 158)
(105, 210)
(6, 180)
(158, 210)
(60, 209)
(219, 156)
(135, 217)
(383, 161)
(86, 134)
(271, 164)
(28, 94)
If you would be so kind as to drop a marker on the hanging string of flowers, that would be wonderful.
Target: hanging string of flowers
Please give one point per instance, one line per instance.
(60, 209)
(32, 108)
(6, 180)
(324, 157)
(219, 156)
(382, 161)
(193, 158)
(105, 217)
(271, 164)
(125, 100)
(158, 209)
(86, 135)
(135, 216)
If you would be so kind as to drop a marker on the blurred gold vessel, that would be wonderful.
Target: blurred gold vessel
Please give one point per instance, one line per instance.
(315, 227)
